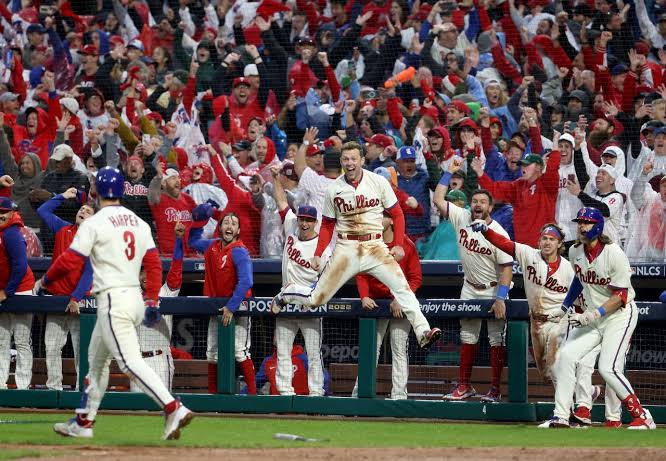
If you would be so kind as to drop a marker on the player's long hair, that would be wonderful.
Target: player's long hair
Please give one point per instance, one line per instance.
(562, 249)
(603, 238)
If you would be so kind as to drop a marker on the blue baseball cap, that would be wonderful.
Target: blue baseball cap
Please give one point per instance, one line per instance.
(406, 153)
(619, 69)
(305, 211)
(6, 205)
(659, 131)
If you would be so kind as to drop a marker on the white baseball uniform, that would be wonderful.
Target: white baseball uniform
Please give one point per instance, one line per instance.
(55, 338)
(358, 211)
(116, 241)
(546, 286)
(607, 272)
(482, 263)
(155, 343)
(399, 338)
(19, 326)
(296, 269)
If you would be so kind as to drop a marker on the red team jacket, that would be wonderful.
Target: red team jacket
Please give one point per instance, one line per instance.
(369, 286)
(63, 239)
(220, 279)
(533, 204)
(28, 280)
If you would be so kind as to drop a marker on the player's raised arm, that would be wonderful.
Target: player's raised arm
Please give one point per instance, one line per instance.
(500, 241)
(175, 276)
(442, 188)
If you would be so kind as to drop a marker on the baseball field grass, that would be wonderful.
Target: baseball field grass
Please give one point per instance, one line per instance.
(27, 430)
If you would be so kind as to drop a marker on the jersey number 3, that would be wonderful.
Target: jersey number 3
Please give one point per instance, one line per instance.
(130, 251)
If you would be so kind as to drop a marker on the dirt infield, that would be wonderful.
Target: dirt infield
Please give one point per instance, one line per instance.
(356, 454)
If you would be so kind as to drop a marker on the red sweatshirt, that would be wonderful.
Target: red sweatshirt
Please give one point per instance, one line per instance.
(368, 286)
(533, 203)
(240, 202)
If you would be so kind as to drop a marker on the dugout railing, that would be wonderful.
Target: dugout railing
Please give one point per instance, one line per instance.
(516, 406)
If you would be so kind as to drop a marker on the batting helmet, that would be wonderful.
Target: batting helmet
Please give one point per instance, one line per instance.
(110, 183)
(591, 215)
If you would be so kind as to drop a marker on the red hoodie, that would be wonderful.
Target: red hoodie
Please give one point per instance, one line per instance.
(11, 242)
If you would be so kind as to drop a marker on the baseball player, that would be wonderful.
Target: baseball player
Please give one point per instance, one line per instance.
(370, 289)
(488, 273)
(603, 275)
(547, 277)
(228, 274)
(155, 342)
(15, 279)
(74, 285)
(301, 236)
(353, 208)
(117, 242)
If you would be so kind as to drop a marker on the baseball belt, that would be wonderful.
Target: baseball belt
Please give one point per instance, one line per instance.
(147, 354)
(359, 237)
(481, 286)
(539, 317)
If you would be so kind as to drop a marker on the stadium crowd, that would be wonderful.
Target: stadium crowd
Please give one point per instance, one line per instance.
(199, 101)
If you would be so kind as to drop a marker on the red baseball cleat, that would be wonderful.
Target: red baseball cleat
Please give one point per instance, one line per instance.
(613, 424)
(461, 392)
(582, 415)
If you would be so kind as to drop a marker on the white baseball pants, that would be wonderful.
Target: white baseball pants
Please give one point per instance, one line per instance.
(583, 391)
(155, 347)
(242, 339)
(19, 326)
(119, 312)
(55, 338)
(351, 257)
(285, 332)
(613, 333)
(399, 329)
(470, 329)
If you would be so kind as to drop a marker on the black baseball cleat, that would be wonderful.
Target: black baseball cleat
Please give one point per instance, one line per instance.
(430, 338)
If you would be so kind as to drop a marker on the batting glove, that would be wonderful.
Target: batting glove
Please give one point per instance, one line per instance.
(202, 212)
(152, 316)
(479, 225)
(584, 319)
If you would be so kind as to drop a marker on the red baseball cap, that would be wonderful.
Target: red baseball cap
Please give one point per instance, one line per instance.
(460, 107)
(241, 81)
(117, 40)
(381, 140)
(89, 50)
(313, 149)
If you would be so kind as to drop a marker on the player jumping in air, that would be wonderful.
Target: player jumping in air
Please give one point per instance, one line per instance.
(354, 207)
(117, 242)
(603, 275)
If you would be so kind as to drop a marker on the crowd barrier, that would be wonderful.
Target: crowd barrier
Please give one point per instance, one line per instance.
(516, 405)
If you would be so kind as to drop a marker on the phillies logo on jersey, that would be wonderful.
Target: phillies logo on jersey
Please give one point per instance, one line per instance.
(361, 202)
(135, 189)
(473, 244)
(551, 283)
(294, 254)
(591, 277)
(173, 215)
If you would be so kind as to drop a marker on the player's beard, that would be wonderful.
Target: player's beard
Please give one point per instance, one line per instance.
(480, 214)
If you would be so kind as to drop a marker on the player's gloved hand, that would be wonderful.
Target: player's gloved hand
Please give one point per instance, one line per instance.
(662, 297)
(584, 319)
(202, 212)
(479, 225)
(213, 203)
(152, 316)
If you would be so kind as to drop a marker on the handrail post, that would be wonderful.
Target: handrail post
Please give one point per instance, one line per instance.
(367, 358)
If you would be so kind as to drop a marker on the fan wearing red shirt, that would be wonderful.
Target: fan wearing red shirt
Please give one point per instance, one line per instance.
(169, 206)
